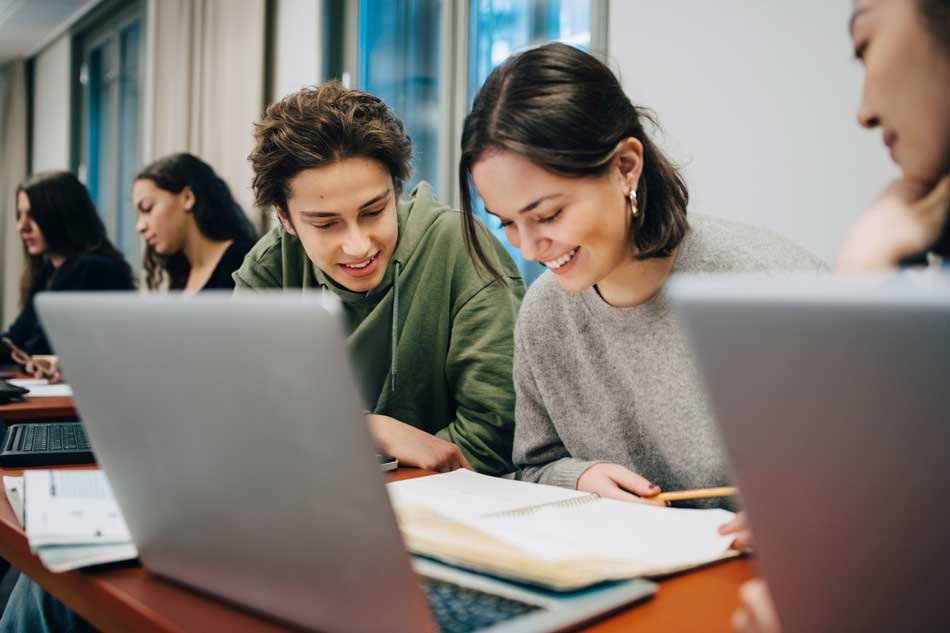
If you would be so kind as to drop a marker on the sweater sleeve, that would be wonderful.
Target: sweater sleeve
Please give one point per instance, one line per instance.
(478, 369)
(538, 453)
(26, 333)
(252, 274)
(86, 272)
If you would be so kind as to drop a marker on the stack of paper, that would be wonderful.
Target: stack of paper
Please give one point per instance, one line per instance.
(551, 536)
(40, 387)
(70, 517)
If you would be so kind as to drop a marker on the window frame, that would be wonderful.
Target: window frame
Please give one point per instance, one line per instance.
(107, 23)
(453, 73)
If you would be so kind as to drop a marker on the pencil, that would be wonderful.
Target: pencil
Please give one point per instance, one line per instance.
(701, 493)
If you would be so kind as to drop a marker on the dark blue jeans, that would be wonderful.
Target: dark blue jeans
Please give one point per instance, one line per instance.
(32, 609)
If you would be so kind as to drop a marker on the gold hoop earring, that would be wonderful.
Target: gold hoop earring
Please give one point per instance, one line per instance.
(632, 196)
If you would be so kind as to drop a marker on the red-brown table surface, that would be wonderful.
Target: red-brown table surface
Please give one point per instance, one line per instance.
(129, 598)
(38, 409)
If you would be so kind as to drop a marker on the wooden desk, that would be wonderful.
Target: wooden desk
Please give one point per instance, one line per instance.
(129, 598)
(59, 408)
(39, 410)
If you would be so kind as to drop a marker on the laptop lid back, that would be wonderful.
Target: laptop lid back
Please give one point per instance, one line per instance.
(832, 398)
(233, 436)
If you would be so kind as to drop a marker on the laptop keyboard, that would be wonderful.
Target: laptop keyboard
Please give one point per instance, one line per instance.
(45, 444)
(54, 437)
(462, 610)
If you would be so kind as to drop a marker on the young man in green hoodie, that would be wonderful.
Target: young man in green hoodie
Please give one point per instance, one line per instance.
(431, 336)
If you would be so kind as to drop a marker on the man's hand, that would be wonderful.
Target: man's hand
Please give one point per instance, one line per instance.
(413, 447)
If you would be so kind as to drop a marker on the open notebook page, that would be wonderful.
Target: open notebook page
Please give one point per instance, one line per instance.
(462, 493)
(613, 530)
(604, 529)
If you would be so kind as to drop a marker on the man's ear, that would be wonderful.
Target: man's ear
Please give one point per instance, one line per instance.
(285, 221)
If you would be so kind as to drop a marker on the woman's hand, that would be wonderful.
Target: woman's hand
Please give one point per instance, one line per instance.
(904, 220)
(740, 528)
(755, 614)
(414, 447)
(45, 366)
(613, 481)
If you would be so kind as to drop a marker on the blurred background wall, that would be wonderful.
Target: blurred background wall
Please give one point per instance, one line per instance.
(756, 99)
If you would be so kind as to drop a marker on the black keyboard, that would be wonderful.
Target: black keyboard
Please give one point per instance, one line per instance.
(45, 444)
(462, 610)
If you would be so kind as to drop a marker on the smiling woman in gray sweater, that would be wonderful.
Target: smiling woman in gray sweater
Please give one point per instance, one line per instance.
(598, 383)
(608, 400)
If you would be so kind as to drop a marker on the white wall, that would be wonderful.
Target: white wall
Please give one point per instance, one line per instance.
(51, 106)
(758, 99)
(298, 53)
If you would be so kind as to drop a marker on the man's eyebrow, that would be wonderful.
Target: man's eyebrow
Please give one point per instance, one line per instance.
(530, 206)
(333, 214)
(370, 203)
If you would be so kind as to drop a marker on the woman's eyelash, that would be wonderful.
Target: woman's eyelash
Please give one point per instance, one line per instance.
(551, 217)
(859, 51)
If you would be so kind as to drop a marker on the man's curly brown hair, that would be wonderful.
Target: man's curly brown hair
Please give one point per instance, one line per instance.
(319, 125)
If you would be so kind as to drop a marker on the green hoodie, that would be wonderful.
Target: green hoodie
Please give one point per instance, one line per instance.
(453, 338)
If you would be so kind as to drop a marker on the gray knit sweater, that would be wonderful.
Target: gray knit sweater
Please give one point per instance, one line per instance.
(595, 383)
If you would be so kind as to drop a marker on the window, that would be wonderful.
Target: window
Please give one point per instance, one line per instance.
(427, 59)
(399, 48)
(499, 28)
(109, 149)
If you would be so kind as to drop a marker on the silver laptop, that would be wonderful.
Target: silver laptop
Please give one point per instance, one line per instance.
(833, 396)
(233, 437)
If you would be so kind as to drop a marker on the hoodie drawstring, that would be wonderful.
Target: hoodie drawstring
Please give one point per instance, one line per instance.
(392, 360)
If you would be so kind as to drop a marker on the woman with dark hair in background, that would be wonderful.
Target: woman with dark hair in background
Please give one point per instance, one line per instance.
(904, 46)
(196, 234)
(608, 400)
(66, 248)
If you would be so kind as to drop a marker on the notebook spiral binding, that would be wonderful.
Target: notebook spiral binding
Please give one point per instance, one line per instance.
(563, 503)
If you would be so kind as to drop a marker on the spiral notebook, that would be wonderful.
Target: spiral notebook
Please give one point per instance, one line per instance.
(554, 537)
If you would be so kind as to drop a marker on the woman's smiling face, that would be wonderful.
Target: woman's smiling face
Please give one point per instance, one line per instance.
(577, 227)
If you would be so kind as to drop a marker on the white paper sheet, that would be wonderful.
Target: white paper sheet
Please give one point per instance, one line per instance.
(462, 493)
(40, 387)
(13, 486)
(60, 558)
(614, 530)
(71, 507)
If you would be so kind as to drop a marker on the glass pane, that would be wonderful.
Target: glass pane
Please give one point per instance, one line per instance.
(129, 152)
(500, 28)
(99, 108)
(399, 48)
(97, 125)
